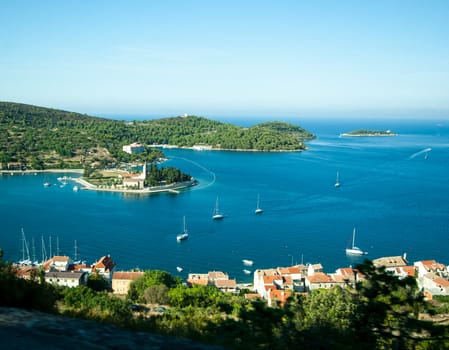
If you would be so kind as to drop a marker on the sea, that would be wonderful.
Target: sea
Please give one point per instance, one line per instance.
(394, 191)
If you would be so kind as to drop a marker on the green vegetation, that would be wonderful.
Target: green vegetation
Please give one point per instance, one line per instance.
(382, 312)
(190, 130)
(39, 138)
(366, 132)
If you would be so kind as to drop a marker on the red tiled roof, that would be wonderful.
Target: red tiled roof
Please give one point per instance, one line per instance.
(199, 282)
(225, 283)
(346, 271)
(280, 295)
(288, 279)
(105, 262)
(441, 281)
(409, 270)
(320, 277)
(271, 279)
(432, 265)
(214, 275)
(252, 296)
(127, 275)
(338, 278)
(60, 259)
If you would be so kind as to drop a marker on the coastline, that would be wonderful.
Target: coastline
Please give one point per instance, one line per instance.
(210, 148)
(173, 188)
(367, 135)
(55, 171)
(86, 185)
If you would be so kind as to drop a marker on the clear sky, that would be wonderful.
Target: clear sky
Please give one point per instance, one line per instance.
(227, 58)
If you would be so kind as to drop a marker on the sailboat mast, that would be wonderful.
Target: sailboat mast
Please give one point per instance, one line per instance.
(33, 250)
(76, 251)
(353, 238)
(44, 252)
(25, 247)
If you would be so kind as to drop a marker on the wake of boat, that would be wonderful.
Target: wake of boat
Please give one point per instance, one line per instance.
(425, 150)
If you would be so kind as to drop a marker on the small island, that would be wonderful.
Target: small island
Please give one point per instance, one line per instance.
(366, 132)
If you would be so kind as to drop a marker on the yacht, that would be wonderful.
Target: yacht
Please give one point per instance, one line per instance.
(217, 215)
(354, 250)
(184, 235)
(258, 209)
(337, 181)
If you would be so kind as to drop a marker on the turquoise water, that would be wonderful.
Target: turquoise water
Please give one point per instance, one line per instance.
(396, 199)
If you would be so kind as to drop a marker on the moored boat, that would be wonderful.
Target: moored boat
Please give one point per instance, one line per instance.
(184, 235)
(217, 215)
(354, 250)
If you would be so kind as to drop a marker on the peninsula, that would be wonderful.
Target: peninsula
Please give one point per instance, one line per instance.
(34, 138)
(367, 132)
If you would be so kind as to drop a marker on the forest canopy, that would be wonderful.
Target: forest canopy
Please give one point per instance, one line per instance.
(39, 137)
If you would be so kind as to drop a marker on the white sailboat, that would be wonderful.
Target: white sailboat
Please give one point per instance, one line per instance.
(217, 215)
(258, 209)
(247, 262)
(25, 260)
(337, 181)
(354, 250)
(184, 235)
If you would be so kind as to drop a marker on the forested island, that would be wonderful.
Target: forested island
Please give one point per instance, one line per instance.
(367, 132)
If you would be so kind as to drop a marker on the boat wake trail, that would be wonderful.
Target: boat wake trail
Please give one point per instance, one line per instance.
(425, 150)
(214, 176)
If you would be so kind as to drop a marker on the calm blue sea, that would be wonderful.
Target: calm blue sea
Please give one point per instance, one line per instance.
(395, 198)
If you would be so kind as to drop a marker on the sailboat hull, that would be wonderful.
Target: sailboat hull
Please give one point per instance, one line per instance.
(354, 251)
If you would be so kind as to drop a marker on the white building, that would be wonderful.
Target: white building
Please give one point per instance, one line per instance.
(121, 280)
(133, 148)
(434, 284)
(66, 279)
(426, 266)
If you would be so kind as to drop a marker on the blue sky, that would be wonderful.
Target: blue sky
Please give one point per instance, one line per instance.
(228, 58)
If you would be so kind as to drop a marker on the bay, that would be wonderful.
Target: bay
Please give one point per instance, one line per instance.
(395, 197)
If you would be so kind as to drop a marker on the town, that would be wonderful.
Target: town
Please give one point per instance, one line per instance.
(274, 285)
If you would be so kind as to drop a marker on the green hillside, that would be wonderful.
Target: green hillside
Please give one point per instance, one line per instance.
(39, 137)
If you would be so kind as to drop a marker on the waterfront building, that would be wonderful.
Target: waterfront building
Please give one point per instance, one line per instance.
(60, 263)
(321, 280)
(404, 271)
(425, 266)
(432, 284)
(290, 278)
(104, 267)
(121, 280)
(278, 297)
(349, 275)
(66, 279)
(218, 279)
(390, 261)
(136, 181)
(226, 286)
(133, 148)
(27, 272)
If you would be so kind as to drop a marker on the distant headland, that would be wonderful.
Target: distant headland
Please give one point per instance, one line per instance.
(367, 132)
